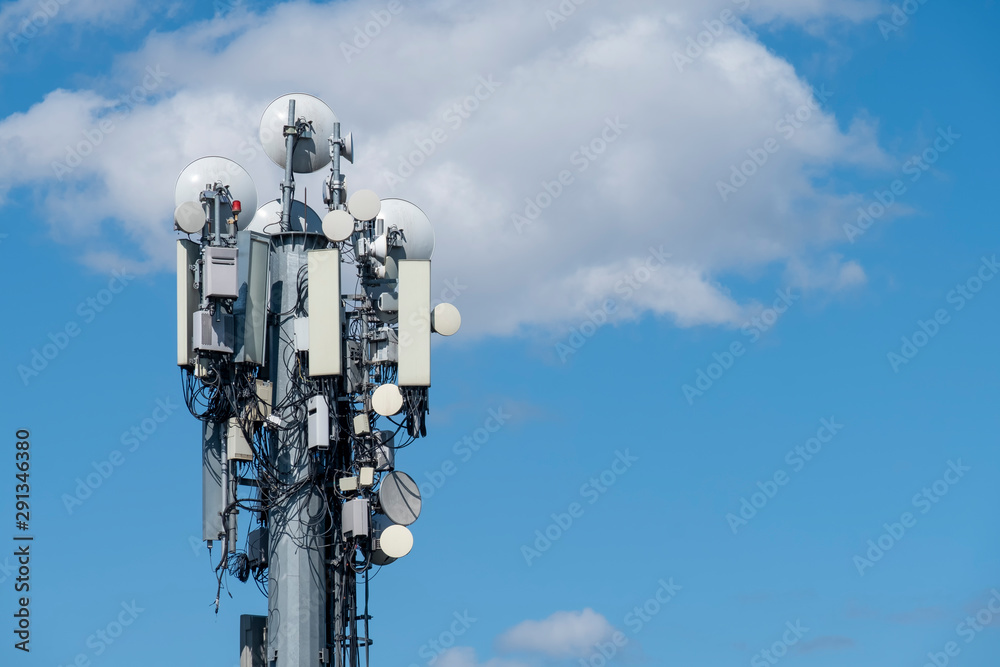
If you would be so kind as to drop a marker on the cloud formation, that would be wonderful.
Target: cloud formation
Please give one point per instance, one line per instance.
(564, 634)
(555, 161)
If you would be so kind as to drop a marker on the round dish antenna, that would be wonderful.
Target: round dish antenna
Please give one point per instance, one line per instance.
(189, 217)
(387, 400)
(399, 496)
(364, 205)
(391, 541)
(268, 218)
(209, 171)
(445, 319)
(312, 151)
(415, 238)
(338, 225)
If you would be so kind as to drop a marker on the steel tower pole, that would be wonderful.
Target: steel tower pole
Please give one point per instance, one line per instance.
(297, 582)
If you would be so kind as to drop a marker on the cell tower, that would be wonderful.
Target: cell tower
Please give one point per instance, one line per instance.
(305, 391)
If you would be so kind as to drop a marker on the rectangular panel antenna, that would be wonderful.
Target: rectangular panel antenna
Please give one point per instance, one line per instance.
(250, 309)
(188, 253)
(414, 323)
(325, 346)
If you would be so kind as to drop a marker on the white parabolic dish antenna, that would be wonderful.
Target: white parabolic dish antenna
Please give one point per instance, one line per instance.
(392, 541)
(211, 170)
(338, 225)
(399, 496)
(268, 218)
(387, 400)
(364, 205)
(189, 217)
(417, 234)
(312, 153)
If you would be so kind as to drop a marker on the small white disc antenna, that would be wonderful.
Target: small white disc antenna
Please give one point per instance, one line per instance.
(399, 496)
(338, 225)
(396, 541)
(208, 171)
(189, 217)
(416, 240)
(268, 218)
(312, 153)
(391, 541)
(445, 319)
(387, 400)
(364, 205)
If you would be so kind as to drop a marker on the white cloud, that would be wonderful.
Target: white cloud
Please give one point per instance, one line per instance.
(463, 656)
(564, 634)
(833, 274)
(799, 11)
(21, 21)
(654, 185)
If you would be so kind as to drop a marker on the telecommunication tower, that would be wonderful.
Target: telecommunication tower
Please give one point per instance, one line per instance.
(305, 389)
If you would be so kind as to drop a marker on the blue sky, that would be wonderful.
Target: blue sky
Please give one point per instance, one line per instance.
(629, 335)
